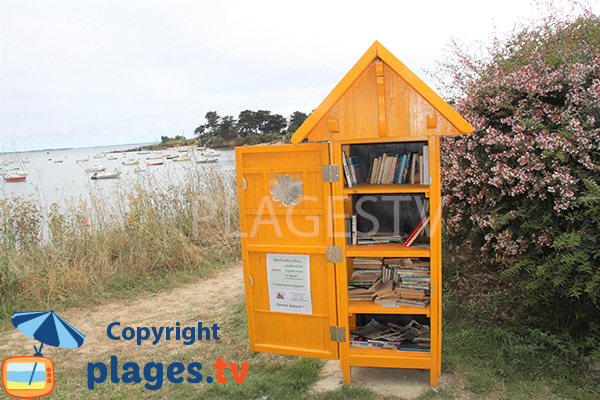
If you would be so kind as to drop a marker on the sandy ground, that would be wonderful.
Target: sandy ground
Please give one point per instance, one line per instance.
(198, 301)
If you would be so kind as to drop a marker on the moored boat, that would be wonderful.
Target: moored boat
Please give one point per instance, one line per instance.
(106, 175)
(96, 168)
(131, 162)
(14, 177)
(153, 163)
(207, 161)
(211, 153)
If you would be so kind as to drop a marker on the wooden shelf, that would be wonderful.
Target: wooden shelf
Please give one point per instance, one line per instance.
(386, 250)
(387, 188)
(391, 358)
(368, 307)
(375, 351)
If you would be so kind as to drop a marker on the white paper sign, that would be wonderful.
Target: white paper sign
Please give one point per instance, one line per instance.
(289, 283)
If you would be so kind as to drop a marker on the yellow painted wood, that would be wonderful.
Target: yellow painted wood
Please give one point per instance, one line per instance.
(386, 250)
(268, 227)
(333, 126)
(380, 96)
(432, 121)
(379, 101)
(366, 188)
(368, 307)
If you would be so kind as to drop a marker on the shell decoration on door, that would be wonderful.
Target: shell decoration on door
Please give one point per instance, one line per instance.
(287, 191)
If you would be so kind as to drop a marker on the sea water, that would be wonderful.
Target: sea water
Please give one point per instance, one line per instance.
(51, 182)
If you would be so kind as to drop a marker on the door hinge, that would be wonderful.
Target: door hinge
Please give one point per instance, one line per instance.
(334, 254)
(244, 183)
(338, 334)
(331, 173)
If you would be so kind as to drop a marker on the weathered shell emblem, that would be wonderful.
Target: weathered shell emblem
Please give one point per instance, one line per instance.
(287, 191)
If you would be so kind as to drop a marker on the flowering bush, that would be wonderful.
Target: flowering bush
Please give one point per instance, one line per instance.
(522, 191)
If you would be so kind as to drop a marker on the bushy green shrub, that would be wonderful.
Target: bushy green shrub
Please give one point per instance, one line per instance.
(521, 192)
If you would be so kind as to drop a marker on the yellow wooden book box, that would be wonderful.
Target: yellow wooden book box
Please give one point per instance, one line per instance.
(295, 208)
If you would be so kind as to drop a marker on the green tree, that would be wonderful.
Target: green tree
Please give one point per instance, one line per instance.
(275, 124)
(296, 119)
(226, 128)
(212, 120)
(262, 118)
(248, 123)
(200, 130)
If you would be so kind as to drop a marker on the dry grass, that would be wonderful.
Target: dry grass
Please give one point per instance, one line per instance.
(86, 250)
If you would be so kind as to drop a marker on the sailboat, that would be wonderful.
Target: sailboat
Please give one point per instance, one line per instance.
(19, 174)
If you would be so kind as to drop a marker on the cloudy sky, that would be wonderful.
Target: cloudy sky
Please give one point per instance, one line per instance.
(77, 73)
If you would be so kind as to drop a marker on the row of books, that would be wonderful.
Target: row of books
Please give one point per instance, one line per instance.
(395, 282)
(353, 236)
(410, 168)
(411, 337)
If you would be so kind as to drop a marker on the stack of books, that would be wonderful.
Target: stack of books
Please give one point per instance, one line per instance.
(412, 337)
(391, 282)
(413, 282)
(366, 272)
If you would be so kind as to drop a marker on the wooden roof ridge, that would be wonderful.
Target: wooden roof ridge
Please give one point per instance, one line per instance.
(378, 52)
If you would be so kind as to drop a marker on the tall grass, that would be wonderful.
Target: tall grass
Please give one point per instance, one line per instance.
(88, 248)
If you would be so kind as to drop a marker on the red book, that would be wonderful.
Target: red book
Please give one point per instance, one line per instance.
(416, 232)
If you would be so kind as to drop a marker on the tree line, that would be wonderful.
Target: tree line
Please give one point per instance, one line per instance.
(249, 127)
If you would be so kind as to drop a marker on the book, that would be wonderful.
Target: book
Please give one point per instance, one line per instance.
(426, 178)
(346, 169)
(417, 232)
(355, 170)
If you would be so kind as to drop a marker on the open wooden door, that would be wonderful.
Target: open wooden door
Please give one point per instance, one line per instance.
(285, 223)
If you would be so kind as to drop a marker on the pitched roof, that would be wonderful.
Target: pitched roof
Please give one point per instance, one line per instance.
(378, 52)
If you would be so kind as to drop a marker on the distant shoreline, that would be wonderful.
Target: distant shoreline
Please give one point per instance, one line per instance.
(75, 148)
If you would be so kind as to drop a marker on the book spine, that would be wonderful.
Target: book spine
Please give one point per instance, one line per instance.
(425, 180)
(346, 169)
(354, 230)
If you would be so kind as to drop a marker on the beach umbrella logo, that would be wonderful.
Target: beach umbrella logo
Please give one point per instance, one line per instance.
(33, 377)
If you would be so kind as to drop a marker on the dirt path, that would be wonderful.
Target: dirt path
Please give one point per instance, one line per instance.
(202, 300)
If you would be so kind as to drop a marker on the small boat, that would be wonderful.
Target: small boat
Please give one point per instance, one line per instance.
(26, 160)
(58, 160)
(112, 158)
(211, 153)
(207, 161)
(155, 156)
(137, 170)
(96, 168)
(171, 157)
(131, 162)
(15, 177)
(106, 175)
(143, 152)
(153, 163)
(83, 159)
(180, 158)
(98, 155)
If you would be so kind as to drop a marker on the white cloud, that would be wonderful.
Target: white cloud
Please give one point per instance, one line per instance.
(74, 70)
